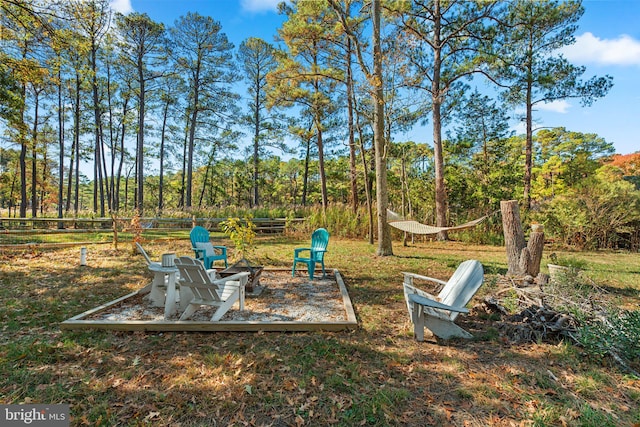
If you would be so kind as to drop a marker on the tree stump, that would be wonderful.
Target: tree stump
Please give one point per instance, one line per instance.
(535, 246)
(522, 258)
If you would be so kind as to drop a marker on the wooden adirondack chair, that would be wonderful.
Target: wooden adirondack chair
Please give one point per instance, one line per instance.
(319, 243)
(145, 255)
(438, 313)
(205, 251)
(220, 293)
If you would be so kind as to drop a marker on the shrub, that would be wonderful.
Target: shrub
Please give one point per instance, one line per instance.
(241, 233)
(618, 332)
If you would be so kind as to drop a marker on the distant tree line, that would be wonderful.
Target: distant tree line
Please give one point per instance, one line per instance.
(159, 112)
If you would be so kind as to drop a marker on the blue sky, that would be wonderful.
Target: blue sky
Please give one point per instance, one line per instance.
(607, 42)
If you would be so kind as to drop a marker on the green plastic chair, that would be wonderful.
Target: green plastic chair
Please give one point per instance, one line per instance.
(319, 243)
(205, 251)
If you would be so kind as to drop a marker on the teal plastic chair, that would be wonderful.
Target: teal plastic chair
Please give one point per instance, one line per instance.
(319, 243)
(205, 251)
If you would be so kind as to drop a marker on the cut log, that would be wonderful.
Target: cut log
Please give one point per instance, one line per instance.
(535, 246)
(525, 261)
(513, 235)
(522, 258)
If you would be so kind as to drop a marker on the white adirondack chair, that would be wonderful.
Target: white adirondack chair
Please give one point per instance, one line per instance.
(145, 255)
(438, 313)
(220, 293)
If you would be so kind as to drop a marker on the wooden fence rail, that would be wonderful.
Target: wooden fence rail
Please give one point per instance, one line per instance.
(78, 225)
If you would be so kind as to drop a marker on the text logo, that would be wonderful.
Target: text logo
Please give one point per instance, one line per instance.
(34, 415)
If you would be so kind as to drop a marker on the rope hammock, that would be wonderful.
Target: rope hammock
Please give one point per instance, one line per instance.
(397, 221)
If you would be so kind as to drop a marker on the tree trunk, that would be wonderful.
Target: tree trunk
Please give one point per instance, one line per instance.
(367, 180)
(121, 159)
(185, 150)
(305, 176)
(256, 146)
(321, 169)
(140, 145)
(513, 235)
(522, 258)
(353, 172)
(23, 152)
(73, 171)
(528, 151)
(162, 153)
(76, 187)
(382, 196)
(98, 192)
(535, 246)
(437, 95)
(60, 151)
(191, 145)
(34, 154)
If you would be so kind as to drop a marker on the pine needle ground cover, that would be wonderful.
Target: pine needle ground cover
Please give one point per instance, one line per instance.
(375, 375)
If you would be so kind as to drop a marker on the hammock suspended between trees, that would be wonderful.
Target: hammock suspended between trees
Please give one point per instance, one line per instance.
(397, 221)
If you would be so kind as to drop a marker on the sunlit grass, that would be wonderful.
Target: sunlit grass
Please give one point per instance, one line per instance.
(376, 375)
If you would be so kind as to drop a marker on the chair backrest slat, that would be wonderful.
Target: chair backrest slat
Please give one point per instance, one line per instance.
(144, 253)
(198, 234)
(319, 242)
(463, 284)
(194, 275)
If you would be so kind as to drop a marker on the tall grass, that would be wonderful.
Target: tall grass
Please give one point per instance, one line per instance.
(340, 219)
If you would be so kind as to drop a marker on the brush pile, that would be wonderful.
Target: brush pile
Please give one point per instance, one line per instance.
(539, 310)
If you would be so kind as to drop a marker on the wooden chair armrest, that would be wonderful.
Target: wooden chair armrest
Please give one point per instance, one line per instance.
(429, 279)
(417, 299)
(243, 278)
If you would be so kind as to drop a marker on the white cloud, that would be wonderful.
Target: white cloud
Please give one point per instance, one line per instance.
(122, 6)
(559, 106)
(519, 128)
(260, 5)
(588, 48)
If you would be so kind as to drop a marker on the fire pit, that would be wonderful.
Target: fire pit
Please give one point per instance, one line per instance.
(241, 266)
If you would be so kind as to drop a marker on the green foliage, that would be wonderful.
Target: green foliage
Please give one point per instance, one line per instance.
(527, 63)
(10, 100)
(591, 214)
(241, 233)
(582, 203)
(256, 58)
(618, 331)
(565, 159)
(488, 232)
(535, 31)
(480, 157)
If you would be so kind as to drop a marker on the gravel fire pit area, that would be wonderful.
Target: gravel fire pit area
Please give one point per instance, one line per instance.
(279, 303)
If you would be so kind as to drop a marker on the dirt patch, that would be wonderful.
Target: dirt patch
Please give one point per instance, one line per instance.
(279, 297)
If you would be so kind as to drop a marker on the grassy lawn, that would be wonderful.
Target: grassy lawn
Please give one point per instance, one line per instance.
(376, 375)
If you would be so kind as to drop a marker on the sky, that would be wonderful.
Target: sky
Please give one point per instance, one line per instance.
(607, 43)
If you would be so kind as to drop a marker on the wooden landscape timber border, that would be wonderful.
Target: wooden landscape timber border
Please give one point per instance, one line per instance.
(79, 322)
